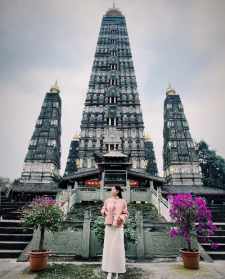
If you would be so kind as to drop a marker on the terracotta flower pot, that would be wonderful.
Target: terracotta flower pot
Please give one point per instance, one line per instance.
(190, 259)
(38, 260)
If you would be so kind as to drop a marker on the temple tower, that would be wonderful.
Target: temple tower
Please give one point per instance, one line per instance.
(112, 117)
(42, 161)
(181, 164)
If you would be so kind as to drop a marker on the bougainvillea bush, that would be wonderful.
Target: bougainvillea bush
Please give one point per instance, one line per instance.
(191, 216)
(44, 214)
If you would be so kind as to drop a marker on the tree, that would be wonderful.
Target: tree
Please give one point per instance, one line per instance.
(212, 165)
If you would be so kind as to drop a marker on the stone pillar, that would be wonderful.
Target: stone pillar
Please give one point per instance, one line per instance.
(76, 191)
(151, 190)
(75, 186)
(102, 187)
(159, 199)
(148, 194)
(140, 235)
(86, 235)
(69, 194)
(128, 192)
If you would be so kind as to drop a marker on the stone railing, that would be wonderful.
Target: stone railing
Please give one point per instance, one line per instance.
(79, 240)
(160, 203)
(67, 198)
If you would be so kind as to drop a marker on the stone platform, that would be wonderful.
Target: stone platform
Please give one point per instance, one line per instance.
(10, 269)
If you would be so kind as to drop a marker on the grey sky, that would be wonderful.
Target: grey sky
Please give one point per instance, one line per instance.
(177, 41)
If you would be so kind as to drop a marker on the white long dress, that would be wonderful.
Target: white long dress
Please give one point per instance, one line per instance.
(113, 258)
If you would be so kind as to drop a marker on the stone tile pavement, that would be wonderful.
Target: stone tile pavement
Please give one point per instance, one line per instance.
(10, 269)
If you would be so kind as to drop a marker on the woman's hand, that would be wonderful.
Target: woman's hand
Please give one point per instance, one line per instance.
(104, 212)
(119, 222)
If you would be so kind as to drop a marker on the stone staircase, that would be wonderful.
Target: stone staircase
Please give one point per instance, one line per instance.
(218, 216)
(13, 236)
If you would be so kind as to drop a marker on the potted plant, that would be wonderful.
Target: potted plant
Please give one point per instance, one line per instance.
(191, 217)
(43, 214)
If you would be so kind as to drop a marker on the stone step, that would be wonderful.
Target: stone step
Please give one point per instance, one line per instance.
(217, 207)
(220, 225)
(10, 223)
(207, 247)
(218, 218)
(17, 204)
(8, 206)
(5, 211)
(11, 216)
(13, 245)
(217, 255)
(15, 230)
(220, 232)
(214, 238)
(16, 237)
(10, 254)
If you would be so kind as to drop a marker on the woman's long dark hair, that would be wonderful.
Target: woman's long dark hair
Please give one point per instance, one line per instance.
(118, 188)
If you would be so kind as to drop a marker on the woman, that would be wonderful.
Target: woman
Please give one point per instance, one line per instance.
(115, 212)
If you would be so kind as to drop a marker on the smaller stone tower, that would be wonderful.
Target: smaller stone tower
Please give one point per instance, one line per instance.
(42, 161)
(181, 164)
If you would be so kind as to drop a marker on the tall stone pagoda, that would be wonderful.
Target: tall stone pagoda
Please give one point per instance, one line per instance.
(181, 163)
(42, 161)
(112, 119)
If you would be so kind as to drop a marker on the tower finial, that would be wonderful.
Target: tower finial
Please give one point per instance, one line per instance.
(55, 87)
(76, 136)
(170, 90)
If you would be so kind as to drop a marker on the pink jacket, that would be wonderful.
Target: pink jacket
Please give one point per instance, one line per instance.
(115, 212)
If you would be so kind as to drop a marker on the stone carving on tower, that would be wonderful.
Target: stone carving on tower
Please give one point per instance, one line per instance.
(181, 163)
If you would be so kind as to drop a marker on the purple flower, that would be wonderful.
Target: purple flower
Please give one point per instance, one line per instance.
(44, 201)
(173, 232)
(190, 214)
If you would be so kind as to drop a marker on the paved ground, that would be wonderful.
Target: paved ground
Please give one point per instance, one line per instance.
(10, 269)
